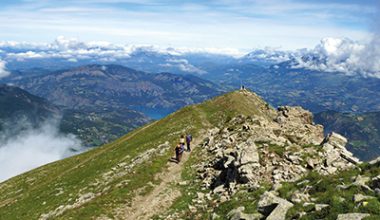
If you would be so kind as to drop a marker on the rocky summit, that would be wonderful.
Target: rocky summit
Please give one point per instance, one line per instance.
(249, 161)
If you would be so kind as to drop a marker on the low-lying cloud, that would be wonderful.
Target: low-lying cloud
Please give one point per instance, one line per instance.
(33, 147)
(3, 70)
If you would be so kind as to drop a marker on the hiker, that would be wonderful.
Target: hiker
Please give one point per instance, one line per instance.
(178, 152)
(189, 138)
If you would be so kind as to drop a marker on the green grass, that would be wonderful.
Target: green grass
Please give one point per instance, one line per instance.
(324, 190)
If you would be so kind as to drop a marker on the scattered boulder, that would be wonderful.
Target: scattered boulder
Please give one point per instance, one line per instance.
(362, 181)
(375, 182)
(238, 214)
(274, 207)
(352, 216)
(335, 144)
(300, 197)
(375, 161)
(361, 197)
(320, 207)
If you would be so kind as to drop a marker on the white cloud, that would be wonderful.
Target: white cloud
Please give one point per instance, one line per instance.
(330, 55)
(74, 50)
(3, 70)
(184, 66)
(342, 55)
(32, 148)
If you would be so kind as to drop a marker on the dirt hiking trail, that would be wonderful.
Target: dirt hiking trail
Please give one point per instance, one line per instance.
(163, 195)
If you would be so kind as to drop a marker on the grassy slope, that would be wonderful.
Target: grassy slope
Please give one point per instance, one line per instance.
(29, 195)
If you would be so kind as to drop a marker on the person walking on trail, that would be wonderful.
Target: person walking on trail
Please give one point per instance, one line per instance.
(179, 151)
(189, 138)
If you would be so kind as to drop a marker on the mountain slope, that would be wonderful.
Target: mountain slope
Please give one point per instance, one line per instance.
(362, 130)
(77, 176)
(95, 127)
(247, 148)
(19, 105)
(21, 110)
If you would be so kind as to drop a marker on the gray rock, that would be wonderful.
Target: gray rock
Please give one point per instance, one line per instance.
(248, 153)
(215, 216)
(362, 182)
(349, 157)
(352, 216)
(336, 140)
(375, 183)
(268, 201)
(331, 154)
(361, 197)
(299, 197)
(200, 195)
(294, 159)
(238, 214)
(374, 161)
(319, 207)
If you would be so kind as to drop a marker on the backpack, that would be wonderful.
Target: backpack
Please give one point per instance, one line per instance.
(181, 149)
(189, 138)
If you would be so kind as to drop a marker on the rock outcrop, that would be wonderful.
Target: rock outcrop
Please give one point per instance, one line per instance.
(255, 150)
(252, 150)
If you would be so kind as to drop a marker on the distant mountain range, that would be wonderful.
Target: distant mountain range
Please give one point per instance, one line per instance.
(114, 87)
(99, 103)
(316, 79)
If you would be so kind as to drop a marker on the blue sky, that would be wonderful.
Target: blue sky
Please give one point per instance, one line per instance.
(241, 24)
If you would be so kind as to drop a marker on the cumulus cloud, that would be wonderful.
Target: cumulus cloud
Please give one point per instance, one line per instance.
(332, 54)
(345, 55)
(3, 70)
(341, 55)
(33, 147)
